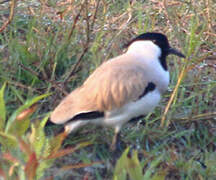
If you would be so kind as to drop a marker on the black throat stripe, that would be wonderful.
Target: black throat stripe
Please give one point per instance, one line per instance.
(150, 87)
(163, 62)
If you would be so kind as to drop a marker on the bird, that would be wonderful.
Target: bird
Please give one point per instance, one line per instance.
(120, 89)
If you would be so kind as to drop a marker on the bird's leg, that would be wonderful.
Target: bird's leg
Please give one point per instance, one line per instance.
(115, 140)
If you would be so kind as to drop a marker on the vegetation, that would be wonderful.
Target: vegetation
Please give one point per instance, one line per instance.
(49, 47)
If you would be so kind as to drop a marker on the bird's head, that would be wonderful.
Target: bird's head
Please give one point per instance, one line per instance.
(153, 40)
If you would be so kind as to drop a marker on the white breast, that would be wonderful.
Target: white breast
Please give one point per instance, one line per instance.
(137, 108)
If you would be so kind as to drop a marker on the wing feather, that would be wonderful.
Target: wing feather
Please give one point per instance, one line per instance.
(110, 86)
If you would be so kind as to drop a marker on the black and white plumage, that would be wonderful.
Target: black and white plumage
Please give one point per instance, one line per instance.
(124, 87)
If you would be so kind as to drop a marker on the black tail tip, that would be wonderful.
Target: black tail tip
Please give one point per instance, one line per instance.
(50, 123)
(52, 128)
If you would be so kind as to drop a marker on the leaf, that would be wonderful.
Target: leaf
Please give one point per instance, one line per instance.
(26, 148)
(31, 167)
(22, 122)
(2, 108)
(120, 172)
(56, 142)
(13, 161)
(134, 168)
(37, 137)
(66, 151)
(8, 141)
(40, 145)
(28, 104)
(19, 128)
(10, 158)
(159, 176)
(27, 112)
(2, 174)
(128, 165)
(12, 169)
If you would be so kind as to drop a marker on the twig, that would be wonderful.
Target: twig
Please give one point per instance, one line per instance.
(203, 116)
(22, 86)
(76, 65)
(87, 23)
(95, 14)
(207, 4)
(86, 46)
(172, 22)
(12, 6)
(164, 6)
(44, 79)
(120, 30)
(28, 69)
(201, 59)
(75, 22)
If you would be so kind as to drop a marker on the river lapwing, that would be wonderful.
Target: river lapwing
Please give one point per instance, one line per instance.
(120, 89)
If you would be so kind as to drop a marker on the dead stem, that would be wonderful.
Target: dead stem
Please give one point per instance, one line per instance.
(75, 21)
(12, 6)
(54, 84)
(86, 45)
(181, 77)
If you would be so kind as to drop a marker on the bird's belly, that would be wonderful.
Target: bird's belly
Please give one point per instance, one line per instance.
(133, 109)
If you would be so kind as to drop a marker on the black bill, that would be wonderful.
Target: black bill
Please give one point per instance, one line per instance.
(176, 52)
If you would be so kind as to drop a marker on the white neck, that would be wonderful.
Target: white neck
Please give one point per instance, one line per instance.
(144, 48)
(147, 53)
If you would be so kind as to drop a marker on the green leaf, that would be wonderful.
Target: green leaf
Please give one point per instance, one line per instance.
(40, 144)
(120, 172)
(128, 165)
(133, 166)
(2, 108)
(22, 108)
(158, 176)
(19, 127)
(56, 142)
(7, 140)
(38, 138)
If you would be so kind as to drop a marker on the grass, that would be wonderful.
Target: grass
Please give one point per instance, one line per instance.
(52, 46)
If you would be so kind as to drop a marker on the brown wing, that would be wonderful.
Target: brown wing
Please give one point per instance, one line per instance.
(113, 84)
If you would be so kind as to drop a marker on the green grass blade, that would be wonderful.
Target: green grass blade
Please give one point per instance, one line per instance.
(120, 172)
(150, 170)
(2, 108)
